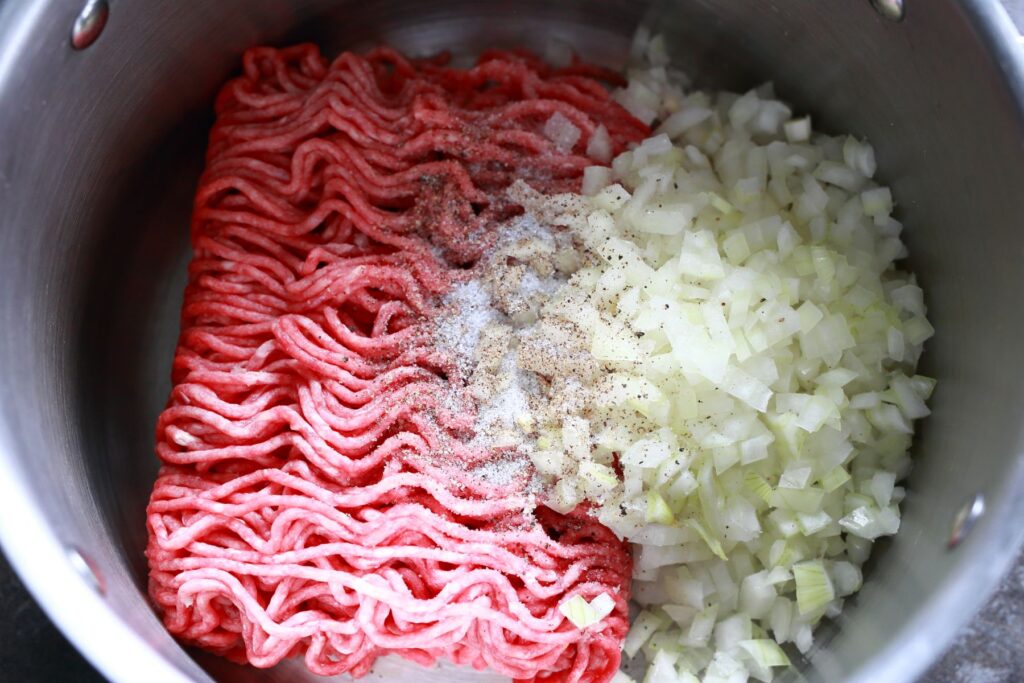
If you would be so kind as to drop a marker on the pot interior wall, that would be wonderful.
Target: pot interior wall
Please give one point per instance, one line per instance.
(96, 250)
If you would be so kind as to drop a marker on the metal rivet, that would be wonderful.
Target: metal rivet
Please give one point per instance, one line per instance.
(893, 10)
(89, 23)
(965, 519)
(87, 570)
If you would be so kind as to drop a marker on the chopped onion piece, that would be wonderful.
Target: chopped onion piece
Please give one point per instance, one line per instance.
(813, 586)
(658, 510)
(798, 130)
(577, 610)
(642, 628)
(585, 614)
(599, 147)
(561, 131)
(603, 605)
(765, 652)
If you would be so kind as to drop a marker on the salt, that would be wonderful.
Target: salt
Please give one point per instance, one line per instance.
(531, 284)
(502, 471)
(501, 414)
(482, 327)
(525, 227)
(470, 311)
(471, 307)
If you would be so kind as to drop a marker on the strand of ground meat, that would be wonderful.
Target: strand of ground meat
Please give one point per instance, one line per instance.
(298, 511)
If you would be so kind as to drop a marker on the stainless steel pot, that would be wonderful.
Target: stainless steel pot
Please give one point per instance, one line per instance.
(100, 149)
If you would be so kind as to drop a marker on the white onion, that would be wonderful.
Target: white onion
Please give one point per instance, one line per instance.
(757, 350)
(561, 131)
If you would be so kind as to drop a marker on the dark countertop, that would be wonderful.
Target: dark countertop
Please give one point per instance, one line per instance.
(26, 633)
(989, 650)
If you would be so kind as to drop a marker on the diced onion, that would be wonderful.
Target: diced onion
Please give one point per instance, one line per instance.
(765, 652)
(813, 586)
(561, 131)
(755, 349)
(585, 614)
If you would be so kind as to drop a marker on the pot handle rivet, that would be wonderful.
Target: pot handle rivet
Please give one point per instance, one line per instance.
(893, 10)
(965, 520)
(89, 23)
(86, 568)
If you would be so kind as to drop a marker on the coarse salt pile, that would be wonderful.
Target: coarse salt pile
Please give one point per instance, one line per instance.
(483, 324)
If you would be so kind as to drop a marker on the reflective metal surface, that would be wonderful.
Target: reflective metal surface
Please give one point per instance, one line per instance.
(893, 10)
(87, 570)
(965, 520)
(89, 23)
(100, 150)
